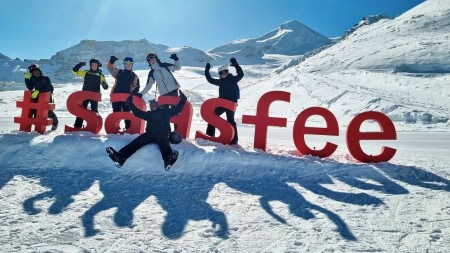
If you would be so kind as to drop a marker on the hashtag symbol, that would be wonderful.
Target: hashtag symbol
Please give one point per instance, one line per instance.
(37, 109)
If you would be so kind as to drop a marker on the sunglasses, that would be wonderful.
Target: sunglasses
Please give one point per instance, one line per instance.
(223, 72)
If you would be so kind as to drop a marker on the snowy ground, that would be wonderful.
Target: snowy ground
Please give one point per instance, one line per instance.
(61, 193)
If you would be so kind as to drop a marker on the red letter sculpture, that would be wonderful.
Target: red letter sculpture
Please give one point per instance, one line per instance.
(183, 121)
(39, 109)
(225, 128)
(112, 122)
(354, 136)
(262, 120)
(300, 129)
(93, 120)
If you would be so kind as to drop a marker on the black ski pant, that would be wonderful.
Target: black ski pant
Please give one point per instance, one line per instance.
(94, 107)
(211, 130)
(51, 114)
(122, 107)
(146, 138)
(173, 93)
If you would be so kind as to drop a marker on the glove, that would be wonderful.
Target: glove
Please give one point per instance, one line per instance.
(207, 67)
(233, 62)
(174, 57)
(78, 66)
(182, 96)
(129, 99)
(113, 59)
(35, 94)
(27, 75)
(104, 85)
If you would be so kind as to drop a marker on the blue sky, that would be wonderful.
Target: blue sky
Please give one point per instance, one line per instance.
(38, 29)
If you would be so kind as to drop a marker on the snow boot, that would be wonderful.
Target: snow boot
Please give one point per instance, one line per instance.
(169, 161)
(115, 156)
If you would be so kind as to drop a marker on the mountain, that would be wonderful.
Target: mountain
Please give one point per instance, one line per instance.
(368, 20)
(291, 38)
(399, 67)
(415, 42)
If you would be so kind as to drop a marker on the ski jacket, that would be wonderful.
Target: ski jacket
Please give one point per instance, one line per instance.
(92, 79)
(161, 73)
(41, 83)
(228, 87)
(126, 80)
(158, 122)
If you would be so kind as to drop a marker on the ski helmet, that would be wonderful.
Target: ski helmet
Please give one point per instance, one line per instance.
(33, 67)
(151, 55)
(175, 137)
(222, 68)
(95, 60)
(128, 60)
(153, 103)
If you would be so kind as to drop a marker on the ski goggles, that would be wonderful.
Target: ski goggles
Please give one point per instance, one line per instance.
(223, 72)
(127, 62)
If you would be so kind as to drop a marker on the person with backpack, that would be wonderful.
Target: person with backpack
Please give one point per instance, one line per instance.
(156, 131)
(126, 82)
(93, 78)
(37, 83)
(161, 74)
(228, 89)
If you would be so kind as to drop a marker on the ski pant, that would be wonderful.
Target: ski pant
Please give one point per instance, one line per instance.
(146, 138)
(173, 93)
(122, 107)
(211, 130)
(94, 107)
(51, 114)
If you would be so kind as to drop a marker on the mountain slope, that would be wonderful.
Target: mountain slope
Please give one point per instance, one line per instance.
(291, 38)
(416, 41)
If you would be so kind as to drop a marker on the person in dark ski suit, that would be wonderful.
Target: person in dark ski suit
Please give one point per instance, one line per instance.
(36, 82)
(126, 82)
(156, 131)
(228, 89)
(93, 78)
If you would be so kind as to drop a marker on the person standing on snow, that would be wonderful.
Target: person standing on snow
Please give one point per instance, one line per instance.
(161, 74)
(228, 89)
(36, 82)
(156, 131)
(93, 78)
(126, 82)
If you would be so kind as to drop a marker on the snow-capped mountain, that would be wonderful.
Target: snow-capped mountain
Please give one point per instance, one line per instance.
(399, 67)
(417, 41)
(368, 20)
(291, 38)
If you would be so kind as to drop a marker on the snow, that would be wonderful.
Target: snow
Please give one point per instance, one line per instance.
(61, 192)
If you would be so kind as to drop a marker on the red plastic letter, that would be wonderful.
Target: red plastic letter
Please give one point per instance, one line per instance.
(354, 136)
(112, 122)
(225, 128)
(183, 120)
(41, 108)
(93, 120)
(300, 129)
(262, 120)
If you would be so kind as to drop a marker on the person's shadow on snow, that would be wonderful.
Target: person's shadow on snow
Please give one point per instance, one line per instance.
(63, 186)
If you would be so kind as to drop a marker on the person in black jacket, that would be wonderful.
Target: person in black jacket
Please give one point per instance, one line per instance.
(93, 78)
(228, 89)
(36, 82)
(126, 82)
(156, 131)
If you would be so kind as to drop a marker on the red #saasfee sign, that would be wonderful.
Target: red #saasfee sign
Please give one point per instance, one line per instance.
(261, 121)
